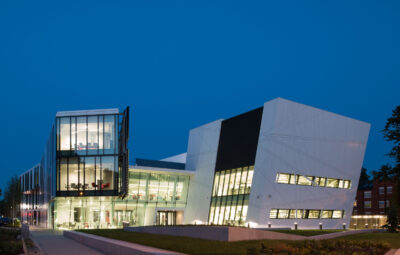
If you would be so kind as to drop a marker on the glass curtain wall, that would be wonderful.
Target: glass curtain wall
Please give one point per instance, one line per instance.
(230, 196)
(87, 155)
(87, 173)
(87, 135)
(159, 188)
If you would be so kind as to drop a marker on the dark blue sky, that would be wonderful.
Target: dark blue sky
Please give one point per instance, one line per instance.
(180, 64)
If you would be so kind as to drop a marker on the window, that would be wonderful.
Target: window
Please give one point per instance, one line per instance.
(367, 204)
(313, 214)
(367, 194)
(381, 190)
(65, 134)
(381, 204)
(294, 179)
(305, 214)
(332, 183)
(230, 196)
(347, 184)
(387, 203)
(337, 214)
(292, 214)
(283, 214)
(389, 189)
(107, 173)
(282, 178)
(90, 180)
(81, 133)
(273, 213)
(303, 180)
(109, 134)
(63, 174)
(322, 182)
(326, 214)
(355, 204)
(93, 138)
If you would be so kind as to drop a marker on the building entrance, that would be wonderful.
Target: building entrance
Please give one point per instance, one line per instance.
(166, 218)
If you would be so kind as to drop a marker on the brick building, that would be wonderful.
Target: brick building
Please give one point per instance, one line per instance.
(372, 202)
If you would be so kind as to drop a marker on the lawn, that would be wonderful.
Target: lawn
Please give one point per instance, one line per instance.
(308, 232)
(392, 238)
(9, 244)
(203, 247)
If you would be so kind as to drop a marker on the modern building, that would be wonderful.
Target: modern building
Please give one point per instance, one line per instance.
(284, 164)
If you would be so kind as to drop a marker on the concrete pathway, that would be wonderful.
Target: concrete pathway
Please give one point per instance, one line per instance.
(53, 242)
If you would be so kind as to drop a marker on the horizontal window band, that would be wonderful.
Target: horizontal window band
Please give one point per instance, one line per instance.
(315, 181)
(305, 214)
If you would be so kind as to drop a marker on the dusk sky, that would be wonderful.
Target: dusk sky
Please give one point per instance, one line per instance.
(181, 64)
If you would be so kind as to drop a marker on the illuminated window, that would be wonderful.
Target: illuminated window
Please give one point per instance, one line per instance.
(305, 214)
(282, 178)
(313, 214)
(337, 214)
(367, 204)
(367, 194)
(293, 179)
(381, 204)
(303, 180)
(283, 213)
(326, 214)
(285, 178)
(332, 183)
(273, 213)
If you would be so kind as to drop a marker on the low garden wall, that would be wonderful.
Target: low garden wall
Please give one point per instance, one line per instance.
(219, 233)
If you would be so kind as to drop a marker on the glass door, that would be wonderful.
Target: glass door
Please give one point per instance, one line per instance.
(166, 218)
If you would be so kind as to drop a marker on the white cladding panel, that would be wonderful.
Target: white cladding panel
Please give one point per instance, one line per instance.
(300, 139)
(201, 158)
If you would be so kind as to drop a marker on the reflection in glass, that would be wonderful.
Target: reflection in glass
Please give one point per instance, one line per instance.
(109, 134)
(107, 173)
(73, 174)
(90, 183)
(63, 174)
(65, 138)
(81, 133)
(93, 142)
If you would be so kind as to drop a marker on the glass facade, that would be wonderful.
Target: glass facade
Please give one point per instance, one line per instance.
(305, 214)
(306, 180)
(158, 188)
(230, 196)
(87, 155)
(87, 135)
(146, 189)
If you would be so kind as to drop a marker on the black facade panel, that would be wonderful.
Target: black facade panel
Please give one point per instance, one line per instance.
(238, 140)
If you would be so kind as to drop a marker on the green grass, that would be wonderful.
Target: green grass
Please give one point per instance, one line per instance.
(308, 232)
(203, 247)
(393, 239)
(9, 243)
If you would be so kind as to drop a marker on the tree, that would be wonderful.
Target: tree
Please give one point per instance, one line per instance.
(12, 197)
(392, 219)
(392, 134)
(365, 181)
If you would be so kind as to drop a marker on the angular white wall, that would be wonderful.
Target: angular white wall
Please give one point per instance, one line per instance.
(296, 138)
(201, 157)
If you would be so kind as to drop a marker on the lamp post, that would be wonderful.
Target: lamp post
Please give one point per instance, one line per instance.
(12, 212)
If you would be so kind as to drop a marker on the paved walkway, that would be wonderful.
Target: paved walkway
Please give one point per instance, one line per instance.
(53, 242)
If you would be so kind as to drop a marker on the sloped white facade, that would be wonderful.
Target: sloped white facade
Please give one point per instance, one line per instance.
(201, 157)
(294, 138)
